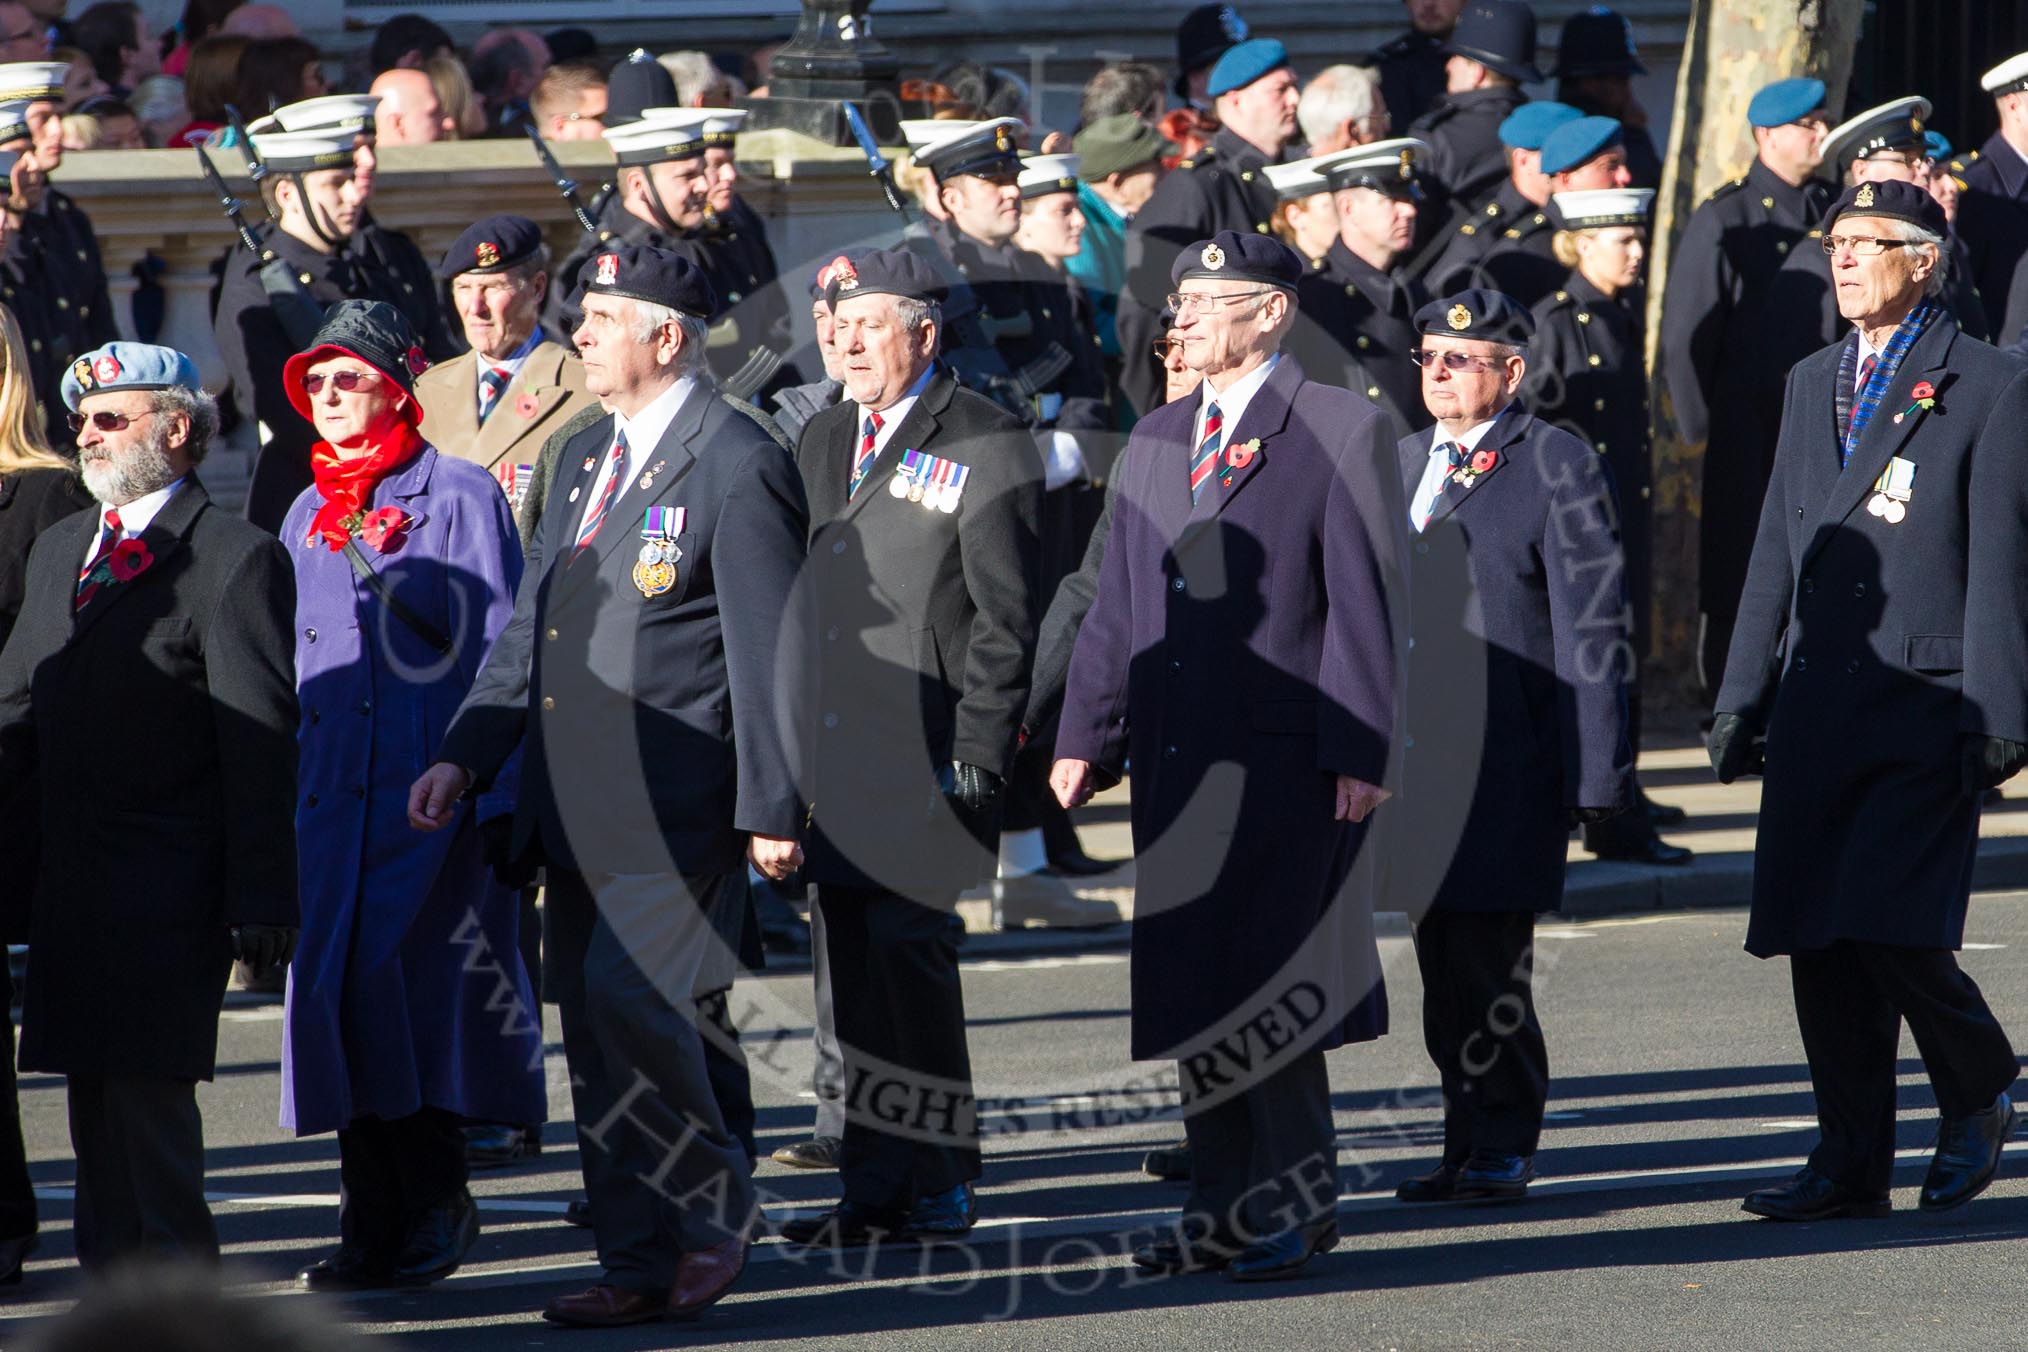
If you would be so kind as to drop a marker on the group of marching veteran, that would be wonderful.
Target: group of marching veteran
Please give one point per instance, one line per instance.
(622, 599)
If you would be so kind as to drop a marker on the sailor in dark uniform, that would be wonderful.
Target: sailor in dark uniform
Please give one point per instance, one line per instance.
(1449, 263)
(54, 239)
(658, 201)
(1491, 55)
(743, 268)
(1992, 184)
(1583, 155)
(1305, 218)
(1719, 277)
(1220, 189)
(1587, 373)
(1355, 313)
(1412, 66)
(1595, 67)
(21, 288)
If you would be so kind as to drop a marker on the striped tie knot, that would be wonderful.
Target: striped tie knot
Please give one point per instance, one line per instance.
(863, 460)
(1205, 460)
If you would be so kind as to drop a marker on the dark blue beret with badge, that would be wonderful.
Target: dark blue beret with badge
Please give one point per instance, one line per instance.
(1490, 316)
(1231, 256)
(1892, 200)
(643, 272)
(492, 245)
(884, 272)
(128, 366)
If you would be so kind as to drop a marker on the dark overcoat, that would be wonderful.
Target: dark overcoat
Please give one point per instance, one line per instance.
(1516, 706)
(1219, 188)
(1467, 163)
(657, 735)
(1865, 649)
(1519, 260)
(1355, 328)
(1992, 220)
(147, 860)
(925, 624)
(1242, 654)
(31, 501)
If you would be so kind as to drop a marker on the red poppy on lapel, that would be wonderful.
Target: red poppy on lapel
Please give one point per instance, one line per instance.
(382, 529)
(1484, 460)
(129, 559)
(525, 405)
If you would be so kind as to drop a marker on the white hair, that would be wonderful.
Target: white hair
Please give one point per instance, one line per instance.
(649, 318)
(1334, 97)
(698, 78)
(1914, 234)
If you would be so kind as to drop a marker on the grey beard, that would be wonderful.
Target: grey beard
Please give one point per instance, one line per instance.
(135, 473)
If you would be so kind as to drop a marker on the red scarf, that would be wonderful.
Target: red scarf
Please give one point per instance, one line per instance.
(347, 483)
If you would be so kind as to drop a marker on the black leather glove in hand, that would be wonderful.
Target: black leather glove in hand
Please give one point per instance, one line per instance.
(970, 787)
(1735, 750)
(263, 947)
(1987, 762)
(1585, 816)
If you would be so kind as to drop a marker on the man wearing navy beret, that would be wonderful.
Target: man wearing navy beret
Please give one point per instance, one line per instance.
(1719, 276)
(152, 878)
(1242, 651)
(1254, 91)
(1875, 681)
(638, 680)
(1516, 727)
(498, 403)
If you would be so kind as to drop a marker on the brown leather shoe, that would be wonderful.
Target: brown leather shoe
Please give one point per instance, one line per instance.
(704, 1276)
(606, 1306)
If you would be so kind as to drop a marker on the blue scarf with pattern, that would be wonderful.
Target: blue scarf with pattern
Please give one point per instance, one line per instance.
(1855, 413)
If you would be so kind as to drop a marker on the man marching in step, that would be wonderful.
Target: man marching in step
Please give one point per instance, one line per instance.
(1246, 617)
(1875, 679)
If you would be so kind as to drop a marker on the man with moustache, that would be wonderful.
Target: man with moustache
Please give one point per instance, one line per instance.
(158, 870)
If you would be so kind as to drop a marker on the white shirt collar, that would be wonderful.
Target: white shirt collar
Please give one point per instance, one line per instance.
(646, 428)
(891, 416)
(137, 515)
(1469, 441)
(1232, 401)
(1422, 503)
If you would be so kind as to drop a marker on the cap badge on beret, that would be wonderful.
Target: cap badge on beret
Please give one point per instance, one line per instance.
(81, 372)
(1459, 317)
(609, 269)
(106, 368)
(488, 253)
(1865, 197)
(1213, 257)
(841, 271)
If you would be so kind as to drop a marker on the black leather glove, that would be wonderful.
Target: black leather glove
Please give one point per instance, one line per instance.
(1585, 816)
(1986, 762)
(263, 947)
(970, 787)
(496, 841)
(1735, 750)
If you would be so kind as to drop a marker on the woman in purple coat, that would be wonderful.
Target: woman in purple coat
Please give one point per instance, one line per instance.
(409, 1009)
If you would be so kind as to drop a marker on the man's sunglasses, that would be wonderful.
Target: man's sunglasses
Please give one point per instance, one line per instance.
(347, 381)
(105, 422)
(1453, 361)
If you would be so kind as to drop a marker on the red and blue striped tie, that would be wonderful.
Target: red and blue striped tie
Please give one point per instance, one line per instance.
(1206, 458)
(616, 470)
(863, 461)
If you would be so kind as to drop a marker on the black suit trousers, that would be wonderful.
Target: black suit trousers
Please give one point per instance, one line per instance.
(139, 1145)
(1479, 1023)
(1851, 999)
(900, 1013)
(17, 1192)
(1263, 1159)
(391, 1172)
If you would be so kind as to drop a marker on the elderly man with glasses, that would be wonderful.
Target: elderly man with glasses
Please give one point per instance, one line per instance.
(1242, 650)
(1875, 679)
(1517, 723)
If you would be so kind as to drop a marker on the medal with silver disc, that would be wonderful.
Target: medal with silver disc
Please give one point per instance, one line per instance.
(1892, 491)
(655, 569)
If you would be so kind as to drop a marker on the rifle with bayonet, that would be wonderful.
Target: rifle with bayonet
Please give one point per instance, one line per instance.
(295, 309)
(565, 184)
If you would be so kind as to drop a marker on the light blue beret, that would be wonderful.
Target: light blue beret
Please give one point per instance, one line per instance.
(1527, 125)
(1243, 64)
(1784, 101)
(128, 366)
(1577, 141)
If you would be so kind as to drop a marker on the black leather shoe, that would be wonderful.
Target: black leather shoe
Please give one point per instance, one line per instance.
(439, 1242)
(1046, 900)
(1660, 814)
(1438, 1185)
(945, 1215)
(1177, 1254)
(1811, 1196)
(1967, 1156)
(1171, 1162)
(845, 1226)
(345, 1270)
(1636, 843)
(13, 1254)
(819, 1152)
(1285, 1254)
(1075, 863)
(1489, 1176)
(578, 1212)
(494, 1146)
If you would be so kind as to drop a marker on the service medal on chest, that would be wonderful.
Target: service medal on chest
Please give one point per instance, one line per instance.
(655, 569)
(1892, 491)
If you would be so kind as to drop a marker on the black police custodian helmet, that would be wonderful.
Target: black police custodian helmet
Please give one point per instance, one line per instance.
(1499, 35)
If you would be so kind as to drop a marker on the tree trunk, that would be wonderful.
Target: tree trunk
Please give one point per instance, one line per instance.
(1733, 49)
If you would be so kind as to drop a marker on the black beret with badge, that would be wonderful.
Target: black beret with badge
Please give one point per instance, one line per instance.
(492, 245)
(643, 272)
(1231, 256)
(1890, 200)
(884, 272)
(1489, 316)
